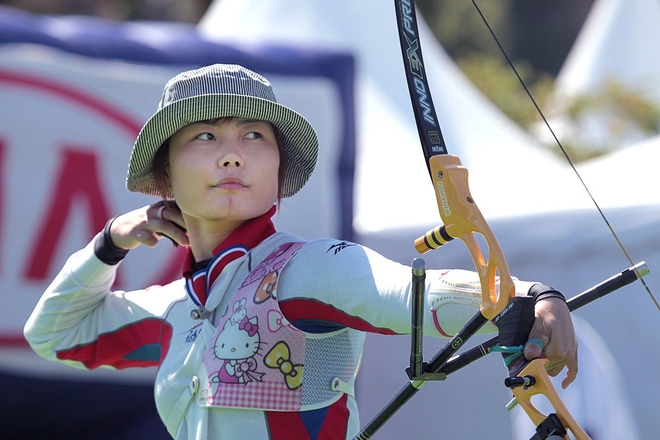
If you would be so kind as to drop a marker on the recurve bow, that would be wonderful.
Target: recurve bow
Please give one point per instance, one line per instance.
(462, 219)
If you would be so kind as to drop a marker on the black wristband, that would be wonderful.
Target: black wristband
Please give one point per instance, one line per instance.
(104, 248)
(541, 291)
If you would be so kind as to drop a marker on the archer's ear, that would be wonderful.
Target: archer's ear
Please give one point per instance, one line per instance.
(168, 182)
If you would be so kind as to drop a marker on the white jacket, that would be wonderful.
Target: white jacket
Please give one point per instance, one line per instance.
(327, 286)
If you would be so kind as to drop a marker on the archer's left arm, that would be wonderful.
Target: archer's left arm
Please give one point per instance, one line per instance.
(352, 286)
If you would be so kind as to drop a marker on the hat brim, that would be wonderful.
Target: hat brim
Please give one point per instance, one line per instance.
(299, 139)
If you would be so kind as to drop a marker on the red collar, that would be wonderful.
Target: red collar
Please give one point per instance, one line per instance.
(237, 244)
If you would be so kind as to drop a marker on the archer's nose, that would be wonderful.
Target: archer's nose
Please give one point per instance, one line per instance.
(231, 158)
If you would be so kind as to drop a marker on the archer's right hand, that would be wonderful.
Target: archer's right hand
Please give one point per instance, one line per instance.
(147, 225)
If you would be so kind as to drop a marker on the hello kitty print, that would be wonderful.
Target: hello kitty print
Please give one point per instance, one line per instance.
(256, 358)
(237, 346)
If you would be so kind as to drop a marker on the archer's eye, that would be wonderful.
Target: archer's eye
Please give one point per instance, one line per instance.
(206, 136)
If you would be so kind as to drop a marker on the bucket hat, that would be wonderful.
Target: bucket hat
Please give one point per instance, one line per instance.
(217, 91)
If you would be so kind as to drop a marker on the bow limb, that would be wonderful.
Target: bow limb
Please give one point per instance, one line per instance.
(461, 217)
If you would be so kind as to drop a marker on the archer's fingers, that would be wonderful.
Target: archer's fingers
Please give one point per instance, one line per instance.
(571, 374)
(170, 224)
(572, 369)
(564, 355)
(534, 348)
(142, 226)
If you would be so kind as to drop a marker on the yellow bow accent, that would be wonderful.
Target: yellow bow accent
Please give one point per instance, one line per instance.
(279, 357)
(543, 385)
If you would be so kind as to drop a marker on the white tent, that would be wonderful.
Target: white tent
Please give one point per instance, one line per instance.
(627, 177)
(616, 46)
(618, 40)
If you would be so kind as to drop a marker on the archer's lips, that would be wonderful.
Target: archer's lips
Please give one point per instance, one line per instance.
(230, 183)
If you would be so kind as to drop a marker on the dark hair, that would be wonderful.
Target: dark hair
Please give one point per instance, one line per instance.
(159, 169)
(162, 160)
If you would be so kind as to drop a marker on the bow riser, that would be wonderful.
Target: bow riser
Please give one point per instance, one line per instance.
(462, 219)
(543, 386)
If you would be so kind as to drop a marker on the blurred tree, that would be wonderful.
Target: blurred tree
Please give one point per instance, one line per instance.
(538, 33)
(537, 37)
(187, 11)
(460, 29)
(493, 76)
(609, 117)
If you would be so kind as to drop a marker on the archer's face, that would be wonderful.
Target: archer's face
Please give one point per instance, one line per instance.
(224, 169)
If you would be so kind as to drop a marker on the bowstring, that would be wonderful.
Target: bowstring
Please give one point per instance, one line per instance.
(565, 153)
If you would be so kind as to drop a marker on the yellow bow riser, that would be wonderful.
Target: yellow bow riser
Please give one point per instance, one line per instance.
(462, 219)
(543, 386)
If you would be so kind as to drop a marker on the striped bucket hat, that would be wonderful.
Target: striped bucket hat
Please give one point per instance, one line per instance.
(217, 91)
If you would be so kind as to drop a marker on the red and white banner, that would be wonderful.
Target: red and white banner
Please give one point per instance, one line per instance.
(74, 93)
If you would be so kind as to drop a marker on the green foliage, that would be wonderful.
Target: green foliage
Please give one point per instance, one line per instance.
(460, 28)
(604, 119)
(495, 79)
(624, 103)
(589, 125)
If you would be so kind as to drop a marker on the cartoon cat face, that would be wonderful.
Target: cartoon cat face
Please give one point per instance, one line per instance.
(238, 341)
(238, 312)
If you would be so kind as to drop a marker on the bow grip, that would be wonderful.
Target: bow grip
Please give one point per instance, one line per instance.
(543, 385)
(462, 218)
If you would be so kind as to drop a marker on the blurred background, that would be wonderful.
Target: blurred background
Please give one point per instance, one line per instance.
(537, 37)
(79, 78)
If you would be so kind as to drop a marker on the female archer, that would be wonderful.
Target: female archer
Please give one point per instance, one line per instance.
(261, 336)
